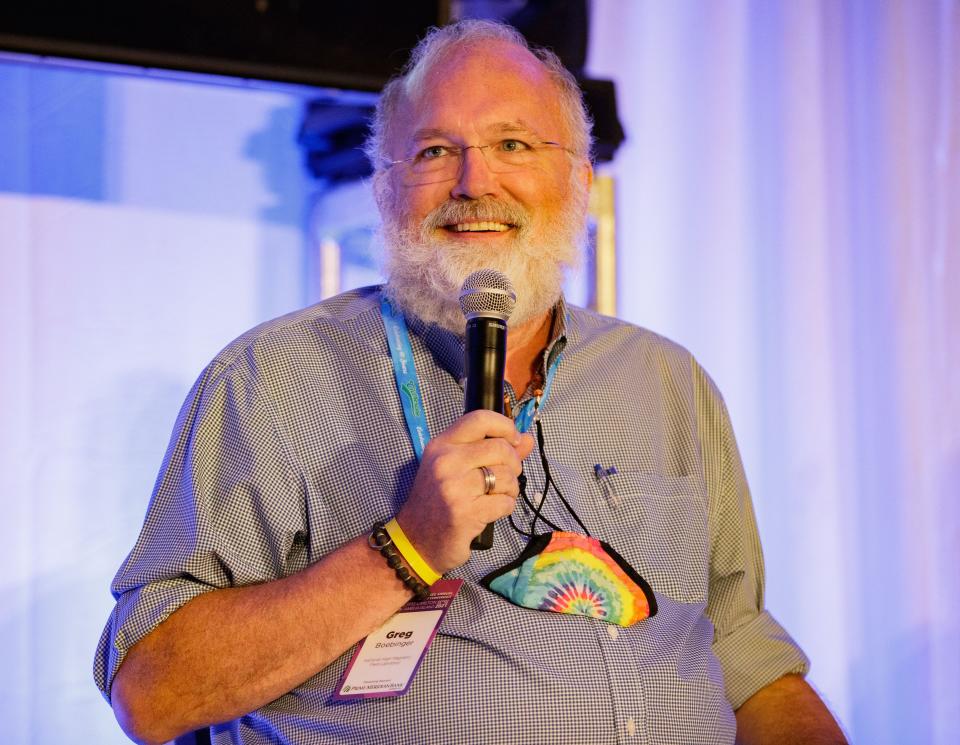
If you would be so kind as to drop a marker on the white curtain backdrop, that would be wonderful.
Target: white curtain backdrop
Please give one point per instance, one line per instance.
(143, 224)
(789, 209)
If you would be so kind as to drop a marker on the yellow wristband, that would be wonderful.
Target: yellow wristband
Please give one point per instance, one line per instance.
(409, 553)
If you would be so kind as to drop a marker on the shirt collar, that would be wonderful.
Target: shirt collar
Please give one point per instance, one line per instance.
(447, 346)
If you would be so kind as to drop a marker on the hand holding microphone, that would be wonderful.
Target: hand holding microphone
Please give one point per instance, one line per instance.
(447, 513)
(487, 299)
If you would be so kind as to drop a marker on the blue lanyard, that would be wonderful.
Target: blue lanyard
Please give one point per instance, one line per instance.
(408, 386)
(405, 372)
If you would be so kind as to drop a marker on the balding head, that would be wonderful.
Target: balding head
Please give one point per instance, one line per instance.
(439, 48)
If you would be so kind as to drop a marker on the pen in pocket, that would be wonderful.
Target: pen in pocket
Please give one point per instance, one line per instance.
(606, 485)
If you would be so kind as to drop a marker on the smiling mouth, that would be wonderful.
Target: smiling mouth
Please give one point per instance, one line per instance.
(481, 226)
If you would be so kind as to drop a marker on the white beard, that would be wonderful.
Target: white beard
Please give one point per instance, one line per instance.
(425, 273)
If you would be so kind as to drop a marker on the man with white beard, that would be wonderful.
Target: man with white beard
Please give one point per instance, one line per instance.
(292, 519)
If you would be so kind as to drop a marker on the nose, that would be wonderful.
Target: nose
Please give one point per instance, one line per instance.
(475, 179)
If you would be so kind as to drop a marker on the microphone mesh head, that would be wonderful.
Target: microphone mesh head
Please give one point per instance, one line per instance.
(487, 292)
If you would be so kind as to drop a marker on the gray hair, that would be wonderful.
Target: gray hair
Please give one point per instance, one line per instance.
(433, 47)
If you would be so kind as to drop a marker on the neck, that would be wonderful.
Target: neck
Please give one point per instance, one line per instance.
(525, 345)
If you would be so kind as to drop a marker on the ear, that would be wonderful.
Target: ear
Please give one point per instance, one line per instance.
(382, 190)
(586, 173)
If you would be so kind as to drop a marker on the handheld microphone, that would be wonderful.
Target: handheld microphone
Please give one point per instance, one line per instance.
(487, 299)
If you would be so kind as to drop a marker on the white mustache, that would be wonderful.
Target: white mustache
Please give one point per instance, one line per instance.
(488, 209)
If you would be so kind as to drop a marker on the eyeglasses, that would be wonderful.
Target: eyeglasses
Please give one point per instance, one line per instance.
(505, 156)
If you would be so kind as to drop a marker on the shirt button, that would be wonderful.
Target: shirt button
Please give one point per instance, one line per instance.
(631, 727)
(614, 631)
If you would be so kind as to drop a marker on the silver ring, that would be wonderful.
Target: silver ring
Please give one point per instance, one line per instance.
(489, 480)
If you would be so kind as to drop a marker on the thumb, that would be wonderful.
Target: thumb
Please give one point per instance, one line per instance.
(524, 445)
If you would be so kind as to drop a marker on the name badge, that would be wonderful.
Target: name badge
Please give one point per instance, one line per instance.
(385, 662)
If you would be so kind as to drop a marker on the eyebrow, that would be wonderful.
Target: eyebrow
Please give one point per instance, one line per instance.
(517, 126)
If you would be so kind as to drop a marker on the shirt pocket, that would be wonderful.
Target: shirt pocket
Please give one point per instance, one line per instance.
(662, 530)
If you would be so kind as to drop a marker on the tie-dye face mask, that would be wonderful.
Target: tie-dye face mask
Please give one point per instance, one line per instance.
(566, 572)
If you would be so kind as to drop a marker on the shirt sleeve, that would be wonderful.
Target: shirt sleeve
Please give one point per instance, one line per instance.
(752, 647)
(227, 510)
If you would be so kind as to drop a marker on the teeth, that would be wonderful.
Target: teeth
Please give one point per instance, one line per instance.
(466, 227)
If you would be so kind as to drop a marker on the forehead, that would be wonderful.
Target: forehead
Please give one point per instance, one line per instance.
(481, 90)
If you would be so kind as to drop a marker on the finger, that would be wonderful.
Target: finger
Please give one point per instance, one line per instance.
(488, 478)
(504, 482)
(493, 507)
(457, 461)
(525, 446)
(492, 452)
(480, 424)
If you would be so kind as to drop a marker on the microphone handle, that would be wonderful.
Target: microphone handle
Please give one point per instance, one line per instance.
(485, 361)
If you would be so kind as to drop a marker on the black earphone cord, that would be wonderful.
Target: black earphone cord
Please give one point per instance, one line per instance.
(537, 511)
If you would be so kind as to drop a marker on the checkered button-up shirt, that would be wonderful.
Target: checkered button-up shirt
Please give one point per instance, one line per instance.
(293, 441)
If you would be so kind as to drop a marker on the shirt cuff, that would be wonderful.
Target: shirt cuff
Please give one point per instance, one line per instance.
(136, 614)
(755, 655)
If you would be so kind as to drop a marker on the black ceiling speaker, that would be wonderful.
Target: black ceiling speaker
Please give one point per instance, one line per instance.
(354, 46)
(344, 46)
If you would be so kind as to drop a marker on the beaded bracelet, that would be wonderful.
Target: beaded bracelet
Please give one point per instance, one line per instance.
(379, 539)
